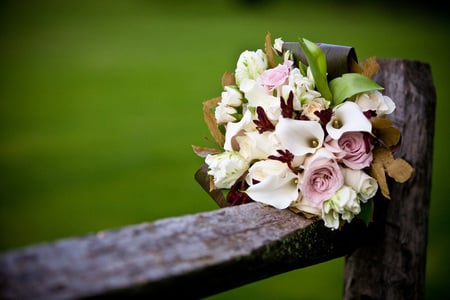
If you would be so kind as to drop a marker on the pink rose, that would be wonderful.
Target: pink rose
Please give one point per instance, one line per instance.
(275, 77)
(354, 149)
(321, 178)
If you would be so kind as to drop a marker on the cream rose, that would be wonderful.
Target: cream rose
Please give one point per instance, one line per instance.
(383, 105)
(315, 105)
(226, 168)
(343, 203)
(363, 184)
(250, 65)
(255, 146)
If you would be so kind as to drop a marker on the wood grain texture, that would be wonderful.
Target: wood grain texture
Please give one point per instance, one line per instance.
(193, 256)
(392, 264)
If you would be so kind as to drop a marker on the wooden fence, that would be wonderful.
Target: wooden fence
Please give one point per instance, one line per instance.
(198, 255)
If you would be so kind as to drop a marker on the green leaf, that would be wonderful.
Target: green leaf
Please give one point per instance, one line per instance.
(351, 84)
(366, 214)
(318, 64)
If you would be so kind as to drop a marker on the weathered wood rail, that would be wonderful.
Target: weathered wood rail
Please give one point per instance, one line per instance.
(207, 253)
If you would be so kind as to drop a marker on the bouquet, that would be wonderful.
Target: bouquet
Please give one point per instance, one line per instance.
(303, 126)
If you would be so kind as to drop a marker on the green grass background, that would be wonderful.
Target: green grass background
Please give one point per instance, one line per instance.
(100, 102)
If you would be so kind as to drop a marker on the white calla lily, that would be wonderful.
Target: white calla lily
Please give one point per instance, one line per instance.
(277, 184)
(347, 116)
(300, 136)
(234, 128)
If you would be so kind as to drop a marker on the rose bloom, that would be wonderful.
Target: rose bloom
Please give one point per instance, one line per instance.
(363, 184)
(383, 105)
(321, 178)
(352, 148)
(254, 145)
(226, 168)
(231, 96)
(317, 104)
(275, 77)
(224, 113)
(344, 203)
(250, 65)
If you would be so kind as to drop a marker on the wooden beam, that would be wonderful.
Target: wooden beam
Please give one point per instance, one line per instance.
(194, 256)
(392, 264)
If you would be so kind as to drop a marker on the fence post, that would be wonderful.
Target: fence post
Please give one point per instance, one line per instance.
(392, 264)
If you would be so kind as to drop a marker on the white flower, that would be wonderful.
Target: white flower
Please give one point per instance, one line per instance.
(250, 65)
(347, 116)
(226, 168)
(317, 104)
(363, 184)
(383, 105)
(254, 145)
(344, 203)
(276, 184)
(302, 86)
(299, 136)
(257, 95)
(233, 129)
(224, 113)
(231, 96)
(278, 45)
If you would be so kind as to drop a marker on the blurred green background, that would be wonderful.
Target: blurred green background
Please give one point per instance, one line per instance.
(100, 102)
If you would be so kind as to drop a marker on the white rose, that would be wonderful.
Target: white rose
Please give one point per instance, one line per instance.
(226, 168)
(250, 65)
(363, 184)
(255, 145)
(345, 203)
(231, 96)
(383, 105)
(273, 183)
(224, 113)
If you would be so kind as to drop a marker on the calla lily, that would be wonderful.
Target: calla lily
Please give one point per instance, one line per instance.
(347, 116)
(234, 128)
(277, 184)
(300, 136)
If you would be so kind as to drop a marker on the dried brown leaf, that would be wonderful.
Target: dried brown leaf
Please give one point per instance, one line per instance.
(211, 122)
(390, 136)
(228, 79)
(212, 186)
(383, 156)
(370, 66)
(269, 51)
(400, 170)
(204, 151)
(355, 67)
(377, 172)
(378, 122)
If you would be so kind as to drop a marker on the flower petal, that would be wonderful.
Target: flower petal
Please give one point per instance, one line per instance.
(299, 136)
(276, 191)
(347, 117)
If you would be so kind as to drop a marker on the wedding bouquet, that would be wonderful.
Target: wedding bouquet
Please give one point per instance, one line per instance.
(303, 126)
